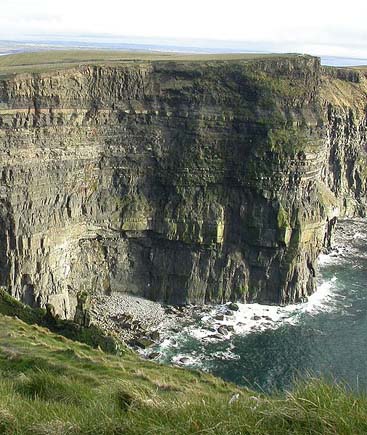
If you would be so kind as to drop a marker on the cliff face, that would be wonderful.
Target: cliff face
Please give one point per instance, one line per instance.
(178, 181)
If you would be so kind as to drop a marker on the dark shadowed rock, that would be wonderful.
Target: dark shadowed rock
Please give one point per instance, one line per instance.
(143, 342)
(223, 330)
(154, 355)
(232, 306)
(155, 335)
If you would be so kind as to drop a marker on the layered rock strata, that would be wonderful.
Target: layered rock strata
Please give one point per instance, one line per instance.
(183, 182)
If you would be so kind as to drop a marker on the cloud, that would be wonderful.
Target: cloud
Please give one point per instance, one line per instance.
(298, 25)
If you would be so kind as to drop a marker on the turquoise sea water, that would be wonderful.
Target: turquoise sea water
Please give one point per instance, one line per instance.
(326, 336)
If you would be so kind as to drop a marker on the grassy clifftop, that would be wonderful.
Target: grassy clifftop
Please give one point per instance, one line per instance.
(52, 385)
(63, 59)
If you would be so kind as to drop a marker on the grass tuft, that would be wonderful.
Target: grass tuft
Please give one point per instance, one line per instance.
(7, 421)
(55, 427)
(46, 386)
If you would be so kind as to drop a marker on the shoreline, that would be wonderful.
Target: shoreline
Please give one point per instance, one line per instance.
(153, 329)
(141, 323)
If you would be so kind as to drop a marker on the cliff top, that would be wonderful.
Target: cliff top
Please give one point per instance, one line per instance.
(63, 59)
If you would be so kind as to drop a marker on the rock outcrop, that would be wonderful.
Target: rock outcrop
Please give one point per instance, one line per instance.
(184, 182)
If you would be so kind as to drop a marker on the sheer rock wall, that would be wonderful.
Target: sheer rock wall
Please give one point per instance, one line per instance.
(185, 182)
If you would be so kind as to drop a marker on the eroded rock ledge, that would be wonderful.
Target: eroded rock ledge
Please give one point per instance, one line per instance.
(183, 182)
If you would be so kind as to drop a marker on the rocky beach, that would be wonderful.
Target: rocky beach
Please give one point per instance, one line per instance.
(152, 328)
(134, 320)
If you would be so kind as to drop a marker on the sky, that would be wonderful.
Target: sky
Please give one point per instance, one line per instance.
(320, 27)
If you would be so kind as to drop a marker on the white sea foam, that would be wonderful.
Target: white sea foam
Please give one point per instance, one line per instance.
(321, 299)
(168, 342)
(252, 318)
(226, 355)
(326, 259)
(220, 324)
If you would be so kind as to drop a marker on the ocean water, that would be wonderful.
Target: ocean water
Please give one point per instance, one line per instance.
(268, 347)
(342, 61)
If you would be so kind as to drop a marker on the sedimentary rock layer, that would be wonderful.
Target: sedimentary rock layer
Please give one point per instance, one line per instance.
(184, 182)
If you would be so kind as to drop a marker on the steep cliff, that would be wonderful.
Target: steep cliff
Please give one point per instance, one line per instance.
(181, 181)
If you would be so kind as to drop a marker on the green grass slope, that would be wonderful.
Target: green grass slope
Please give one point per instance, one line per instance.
(92, 336)
(52, 385)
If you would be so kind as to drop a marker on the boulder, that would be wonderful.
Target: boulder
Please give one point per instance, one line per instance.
(155, 335)
(143, 342)
(154, 355)
(232, 306)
